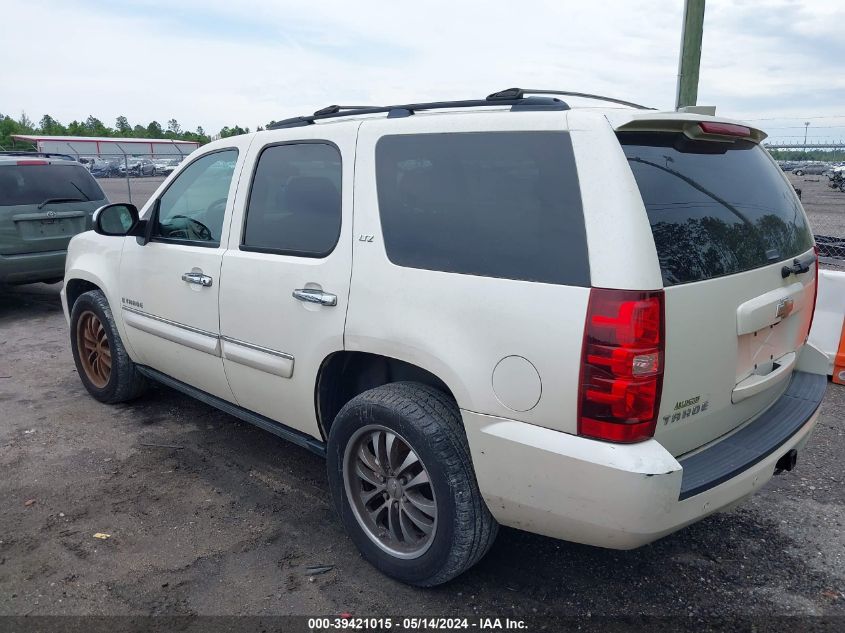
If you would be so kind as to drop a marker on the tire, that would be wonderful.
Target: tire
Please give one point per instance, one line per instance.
(427, 422)
(95, 342)
(799, 173)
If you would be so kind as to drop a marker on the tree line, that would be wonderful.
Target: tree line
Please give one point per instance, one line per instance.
(807, 154)
(92, 126)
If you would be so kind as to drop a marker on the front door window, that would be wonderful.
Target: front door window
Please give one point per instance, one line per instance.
(192, 208)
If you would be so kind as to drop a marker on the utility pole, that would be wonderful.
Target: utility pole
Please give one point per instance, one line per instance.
(806, 127)
(690, 55)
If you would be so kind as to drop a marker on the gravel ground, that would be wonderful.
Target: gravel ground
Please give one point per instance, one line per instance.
(207, 515)
(825, 207)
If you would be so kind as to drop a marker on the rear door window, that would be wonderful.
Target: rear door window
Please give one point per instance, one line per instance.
(715, 208)
(295, 205)
(495, 204)
(34, 184)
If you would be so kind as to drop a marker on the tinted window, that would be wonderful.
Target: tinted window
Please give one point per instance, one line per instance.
(715, 208)
(497, 204)
(33, 184)
(294, 205)
(193, 206)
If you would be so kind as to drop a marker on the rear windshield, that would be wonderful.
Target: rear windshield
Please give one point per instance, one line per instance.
(495, 204)
(33, 184)
(715, 208)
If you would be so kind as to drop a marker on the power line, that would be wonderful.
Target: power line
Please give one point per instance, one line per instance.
(801, 127)
(798, 118)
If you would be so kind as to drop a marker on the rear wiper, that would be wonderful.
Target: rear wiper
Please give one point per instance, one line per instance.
(797, 268)
(49, 200)
(84, 195)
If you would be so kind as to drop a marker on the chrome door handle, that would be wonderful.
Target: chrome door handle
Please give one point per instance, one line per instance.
(197, 278)
(311, 295)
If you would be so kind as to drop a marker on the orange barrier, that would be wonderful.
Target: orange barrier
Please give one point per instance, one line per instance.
(839, 360)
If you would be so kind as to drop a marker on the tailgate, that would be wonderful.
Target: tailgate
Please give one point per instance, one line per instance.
(27, 229)
(739, 272)
(731, 347)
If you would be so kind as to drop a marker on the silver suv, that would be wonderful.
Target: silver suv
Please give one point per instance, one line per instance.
(589, 323)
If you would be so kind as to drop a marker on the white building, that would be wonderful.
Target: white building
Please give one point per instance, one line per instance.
(79, 146)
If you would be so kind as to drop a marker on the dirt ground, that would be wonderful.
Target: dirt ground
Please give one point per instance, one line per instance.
(207, 515)
(825, 206)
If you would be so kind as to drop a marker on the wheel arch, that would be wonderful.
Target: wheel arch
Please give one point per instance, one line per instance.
(77, 286)
(346, 374)
(82, 277)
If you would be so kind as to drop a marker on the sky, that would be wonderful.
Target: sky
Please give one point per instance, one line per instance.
(212, 63)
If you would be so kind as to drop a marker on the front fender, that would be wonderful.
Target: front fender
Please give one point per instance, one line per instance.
(95, 259)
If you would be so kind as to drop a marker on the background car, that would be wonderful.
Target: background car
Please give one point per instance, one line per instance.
(166, 166)
(811, 169)
(44, 202)
(137, 167)
(104, 168)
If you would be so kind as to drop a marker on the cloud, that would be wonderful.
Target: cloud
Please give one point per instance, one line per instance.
(215, 63)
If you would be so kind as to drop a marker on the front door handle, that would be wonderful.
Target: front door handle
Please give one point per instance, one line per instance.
(312, 295)
(197, 278)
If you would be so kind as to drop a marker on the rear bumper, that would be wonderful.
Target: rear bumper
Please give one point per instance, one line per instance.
(31, 267)
(621, 496)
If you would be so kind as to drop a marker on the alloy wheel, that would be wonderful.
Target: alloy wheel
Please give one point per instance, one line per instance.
(390, 491)
(94, 350)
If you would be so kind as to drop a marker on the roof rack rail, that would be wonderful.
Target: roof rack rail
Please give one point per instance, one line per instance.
(518, 93)
(393, 111)
(334, 109)
(515, 97)
(31, 154)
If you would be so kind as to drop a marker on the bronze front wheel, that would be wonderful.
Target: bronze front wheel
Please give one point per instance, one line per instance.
(94, 351)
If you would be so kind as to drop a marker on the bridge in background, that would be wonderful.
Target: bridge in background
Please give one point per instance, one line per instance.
(834, 145)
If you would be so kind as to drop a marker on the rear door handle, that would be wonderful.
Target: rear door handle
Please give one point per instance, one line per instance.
(312, 295)
(197, 278)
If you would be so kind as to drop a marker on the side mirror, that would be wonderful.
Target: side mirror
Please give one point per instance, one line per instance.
(118, 220)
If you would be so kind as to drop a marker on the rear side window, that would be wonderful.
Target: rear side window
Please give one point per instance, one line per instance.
(715, 208)
(495, 204)
(294, 205)
(33, 184)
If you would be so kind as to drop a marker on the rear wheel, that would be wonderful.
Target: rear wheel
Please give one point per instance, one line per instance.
(799, 172)
(402, 480)
(101, 359)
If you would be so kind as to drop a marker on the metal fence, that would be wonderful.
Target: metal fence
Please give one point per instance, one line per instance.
(824, 201)
(831, 251)
(130, 178)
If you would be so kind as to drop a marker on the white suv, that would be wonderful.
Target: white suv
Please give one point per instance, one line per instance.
(587, 323)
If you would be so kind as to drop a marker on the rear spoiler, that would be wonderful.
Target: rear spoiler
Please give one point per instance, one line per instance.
(696, 126)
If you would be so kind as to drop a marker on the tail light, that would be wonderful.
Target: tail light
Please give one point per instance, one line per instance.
(33, 162)
(621, 365)
(724, 129)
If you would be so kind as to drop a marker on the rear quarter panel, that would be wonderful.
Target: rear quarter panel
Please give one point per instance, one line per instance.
(457, 326)
(619, 239)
